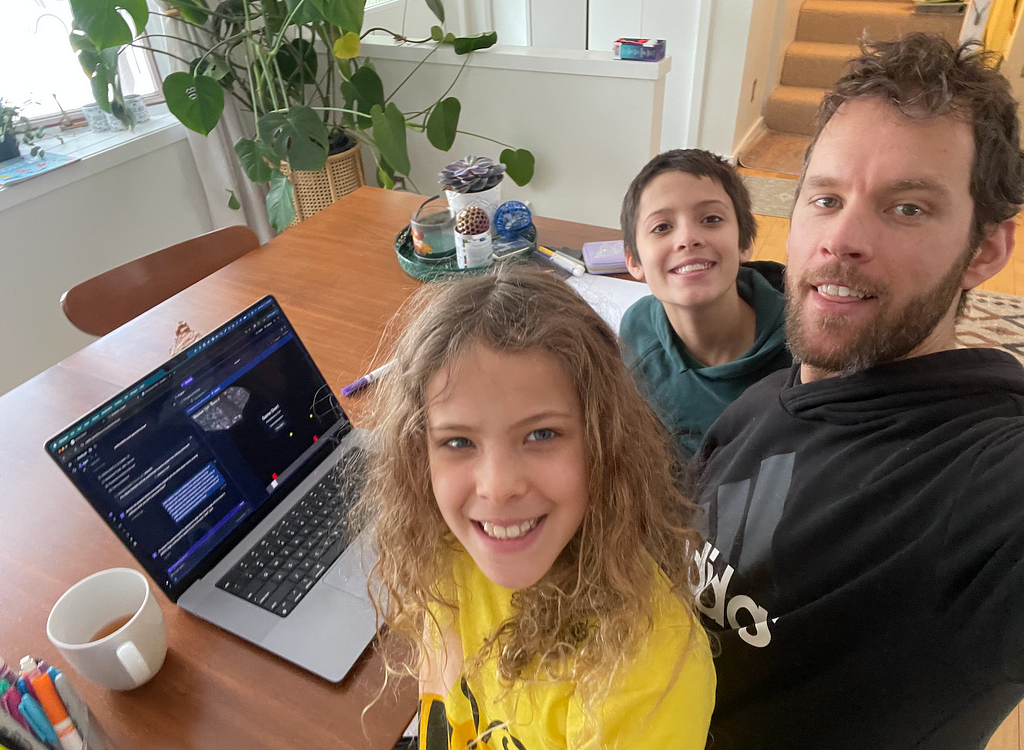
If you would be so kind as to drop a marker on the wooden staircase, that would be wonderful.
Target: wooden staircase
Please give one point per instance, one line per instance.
(827, 37)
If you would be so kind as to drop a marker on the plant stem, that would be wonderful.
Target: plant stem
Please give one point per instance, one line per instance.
(413, 71)
(162, 52)
(484, 137)
(339, 109)
(396, 35)
(461, 68)
(231, 38)
(179, 38)
(284, 27)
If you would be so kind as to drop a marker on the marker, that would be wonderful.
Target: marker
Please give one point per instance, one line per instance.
(10, 701)
(69, 737)
(573, 266)
(77, 710)
(364, 381)
(36, 717)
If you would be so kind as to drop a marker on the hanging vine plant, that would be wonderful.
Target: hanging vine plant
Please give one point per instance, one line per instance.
(266, 55)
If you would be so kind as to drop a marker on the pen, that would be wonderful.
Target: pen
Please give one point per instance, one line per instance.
(65, 730)
(562, 260)
(364, 381)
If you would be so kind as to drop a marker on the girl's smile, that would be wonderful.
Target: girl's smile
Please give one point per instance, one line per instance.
(507, 460)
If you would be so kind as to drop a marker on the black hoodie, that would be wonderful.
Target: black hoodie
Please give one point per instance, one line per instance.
(865, 565)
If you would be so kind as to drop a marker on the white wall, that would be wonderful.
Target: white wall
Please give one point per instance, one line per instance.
(591, 122)
(759, 66)
(73, 232)
(675, 22)
(719, 48)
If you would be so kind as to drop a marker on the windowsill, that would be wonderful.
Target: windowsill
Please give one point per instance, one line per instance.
(96, 152)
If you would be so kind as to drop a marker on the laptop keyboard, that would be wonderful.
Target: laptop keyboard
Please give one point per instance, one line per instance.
(281, 568)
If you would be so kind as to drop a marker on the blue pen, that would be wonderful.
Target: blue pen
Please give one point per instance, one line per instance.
(36, 716)
(24, 687)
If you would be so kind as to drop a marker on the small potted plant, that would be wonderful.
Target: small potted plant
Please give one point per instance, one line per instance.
(13, 125)
(9, 118)
(473, 181)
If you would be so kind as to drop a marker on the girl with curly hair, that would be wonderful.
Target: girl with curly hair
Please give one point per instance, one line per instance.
(535, 556)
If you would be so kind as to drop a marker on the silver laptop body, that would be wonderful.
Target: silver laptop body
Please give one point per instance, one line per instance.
(212, 458)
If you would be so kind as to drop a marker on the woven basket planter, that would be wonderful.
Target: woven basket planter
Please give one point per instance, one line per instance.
(315, 191)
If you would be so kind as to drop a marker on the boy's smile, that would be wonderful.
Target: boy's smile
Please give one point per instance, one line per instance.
(507, 460)
(687, 237)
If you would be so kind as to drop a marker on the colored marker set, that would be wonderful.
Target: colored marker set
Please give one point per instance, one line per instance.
(40, 710)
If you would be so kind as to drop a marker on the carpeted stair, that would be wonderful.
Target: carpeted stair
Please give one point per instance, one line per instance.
(827, 36)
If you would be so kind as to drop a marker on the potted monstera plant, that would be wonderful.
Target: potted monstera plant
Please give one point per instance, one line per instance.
(267, 55)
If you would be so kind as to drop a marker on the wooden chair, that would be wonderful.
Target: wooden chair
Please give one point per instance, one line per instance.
(110, 300)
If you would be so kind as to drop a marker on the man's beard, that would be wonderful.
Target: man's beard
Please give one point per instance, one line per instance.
(889, 336)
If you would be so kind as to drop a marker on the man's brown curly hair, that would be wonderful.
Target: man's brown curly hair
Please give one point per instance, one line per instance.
(923, 76)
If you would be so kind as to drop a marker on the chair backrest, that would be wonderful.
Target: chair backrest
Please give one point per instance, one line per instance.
(110, 300)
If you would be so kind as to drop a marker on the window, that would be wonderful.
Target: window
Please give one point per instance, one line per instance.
(38, 68)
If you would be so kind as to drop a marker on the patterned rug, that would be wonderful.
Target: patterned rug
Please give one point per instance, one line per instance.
(770, 196)
(993, 320)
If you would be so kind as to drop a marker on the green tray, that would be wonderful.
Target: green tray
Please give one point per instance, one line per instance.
(446, 268)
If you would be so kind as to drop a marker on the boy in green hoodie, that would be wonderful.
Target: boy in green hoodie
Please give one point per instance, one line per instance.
(715, 323)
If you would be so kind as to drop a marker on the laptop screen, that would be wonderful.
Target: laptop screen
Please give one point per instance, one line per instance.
(186, 461)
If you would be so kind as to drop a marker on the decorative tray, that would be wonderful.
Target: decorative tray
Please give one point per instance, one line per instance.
(446, 268)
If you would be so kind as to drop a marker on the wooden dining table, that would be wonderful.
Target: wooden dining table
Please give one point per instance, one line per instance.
(337, 277)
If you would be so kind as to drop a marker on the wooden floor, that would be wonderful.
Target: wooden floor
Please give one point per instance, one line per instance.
(771, 245)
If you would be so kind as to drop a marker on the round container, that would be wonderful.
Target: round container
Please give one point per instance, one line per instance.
(96, 118)
(473, 250)
(134, 104)
(432, 227)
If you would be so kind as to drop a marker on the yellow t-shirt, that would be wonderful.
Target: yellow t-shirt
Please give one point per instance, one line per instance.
(663, 698)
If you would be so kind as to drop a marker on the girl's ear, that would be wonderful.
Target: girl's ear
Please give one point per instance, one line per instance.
(746, 253)
(634, 268)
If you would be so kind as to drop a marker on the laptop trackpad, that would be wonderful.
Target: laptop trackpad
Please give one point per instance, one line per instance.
(347, 576)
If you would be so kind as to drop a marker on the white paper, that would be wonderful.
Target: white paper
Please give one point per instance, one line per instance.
(610, 297)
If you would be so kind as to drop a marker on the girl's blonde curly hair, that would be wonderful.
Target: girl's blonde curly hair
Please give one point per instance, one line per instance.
(595, 604)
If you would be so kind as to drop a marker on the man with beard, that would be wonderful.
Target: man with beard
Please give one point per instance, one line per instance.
(864, 569)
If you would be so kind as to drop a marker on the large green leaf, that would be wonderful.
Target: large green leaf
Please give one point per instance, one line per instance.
(364, 90)
(193, 11)
(443, 123)
(307, 13)
(298, 62)
(254, 156)
(104, 25)
(466, 44)
(437, 7)
(197, 101)
(518, 165)
(389, 135)
(298, 135)
(347, 15)
(280, 201)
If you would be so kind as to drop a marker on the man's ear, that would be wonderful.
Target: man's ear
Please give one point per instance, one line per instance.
(992, 254)
(634, 267)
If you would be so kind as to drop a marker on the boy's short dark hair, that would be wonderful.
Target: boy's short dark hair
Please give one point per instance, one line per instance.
(923, 76)
(699, 163)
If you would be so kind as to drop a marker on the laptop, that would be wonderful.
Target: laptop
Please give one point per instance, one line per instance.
(228, 473)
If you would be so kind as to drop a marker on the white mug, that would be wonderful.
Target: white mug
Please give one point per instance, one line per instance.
(128, 656)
